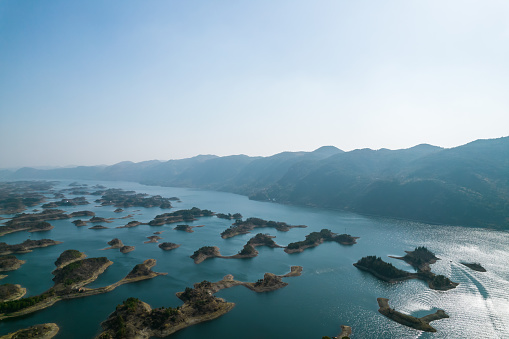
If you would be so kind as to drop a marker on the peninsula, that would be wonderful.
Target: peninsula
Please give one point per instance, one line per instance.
(10, 263)
(421, 324)
(243, 227)
(136, 319)
(10, 292)
(26, 246)
(32, 221)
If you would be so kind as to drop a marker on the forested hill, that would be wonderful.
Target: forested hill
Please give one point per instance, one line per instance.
(466, 185)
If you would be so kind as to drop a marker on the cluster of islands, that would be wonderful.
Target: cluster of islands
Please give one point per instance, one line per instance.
(136, 319)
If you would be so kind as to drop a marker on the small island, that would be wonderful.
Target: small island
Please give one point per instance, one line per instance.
(69, 256)
(123, 199)
(32, 221)
(19, 195)
(168, 246)
(67, 202)
(118, 210)
(127, 249)
(132, 223)
(474, 266)
(42, 331)
(114, 243)
(10, 263)
(152, 239)
(10, 292)
(421, 324)
(180, 216)
(99, 219)
(261, 239)
(98, 227)
(186, 228)
(136, 319)
(243, 227)
(26, 246)
(316, 238)
(205, 252)
(420, 258)
(82, 214)
(229, 216)
(79, 222)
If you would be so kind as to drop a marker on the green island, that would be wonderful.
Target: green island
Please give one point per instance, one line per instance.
(122, 199)
(152, 239)
(186, 228)
(81, 214)
(261, 239)
(68, 257)
(79, 222)
(132, 223)
(243, 227)
(114, 243)
(420, 258)
(41, 331)
(96, 219)
(179, 216)
(421, 324)
(10, 263)
(474, 266)
(206, 252)
(67, 202)
(69, 283)
(26, 246)
(168, 246)
(316, 238)
(136, 319)
(229, 216)
(126, 249)
(10, 292)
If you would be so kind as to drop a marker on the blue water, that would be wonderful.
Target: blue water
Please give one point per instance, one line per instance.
(330, 292)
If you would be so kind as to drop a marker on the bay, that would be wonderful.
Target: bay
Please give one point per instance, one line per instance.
(331, 291)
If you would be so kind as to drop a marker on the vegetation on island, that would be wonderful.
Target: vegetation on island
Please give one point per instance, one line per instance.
(474, 266)
(167, 246)
(229, 216)
(10, 263)
(179, 216)
(17, 196)
(26, 246)
(383, 270)
(316, 238)
(68, 256)
(11, 292)
(243, 227)
(32, 222)
(136, 319)
(261, 239)
(41, 331)
(420, 257)
(67, 202)
(123, 199)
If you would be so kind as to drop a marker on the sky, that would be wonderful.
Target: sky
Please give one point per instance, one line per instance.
(99, 82)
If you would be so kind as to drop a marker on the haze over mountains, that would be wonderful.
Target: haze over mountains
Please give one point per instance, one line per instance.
(466, 185)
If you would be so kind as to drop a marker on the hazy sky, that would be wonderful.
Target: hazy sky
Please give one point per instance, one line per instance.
(98, 82)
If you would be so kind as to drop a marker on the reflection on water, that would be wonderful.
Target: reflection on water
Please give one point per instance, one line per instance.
(331, 292)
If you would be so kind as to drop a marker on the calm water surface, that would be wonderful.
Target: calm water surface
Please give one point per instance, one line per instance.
(331, 292)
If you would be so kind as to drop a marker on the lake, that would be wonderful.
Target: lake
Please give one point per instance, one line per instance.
(331, 291)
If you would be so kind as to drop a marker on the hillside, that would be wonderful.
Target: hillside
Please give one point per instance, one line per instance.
(466, 185)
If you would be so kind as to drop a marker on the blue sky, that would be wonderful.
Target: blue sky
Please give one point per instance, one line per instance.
(99, 82)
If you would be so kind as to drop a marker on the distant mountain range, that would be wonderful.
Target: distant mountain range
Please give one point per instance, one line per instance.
(466, 185)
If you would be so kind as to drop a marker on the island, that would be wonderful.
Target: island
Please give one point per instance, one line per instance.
(26, 246)
(67, 257)
(99, 219)
(421, 324)
(474, 266)
(346, 332)
(69, 283)
(420, 258)
(152, 239)
(205, 252)
(10, 292)
(32, 221)
(10, 263)
(41, 331)
(168, 246)
(136, 319)
(67, 202)
(180, 216)
(123, 199)
(229, 216)
(261, 239)
(79, 222)
(126, 249)
(132, 223)
(98, 227)
(114, 243)
(243, 227)
(118, 210)
(186, 228)
(316, 238)
(82, 214)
